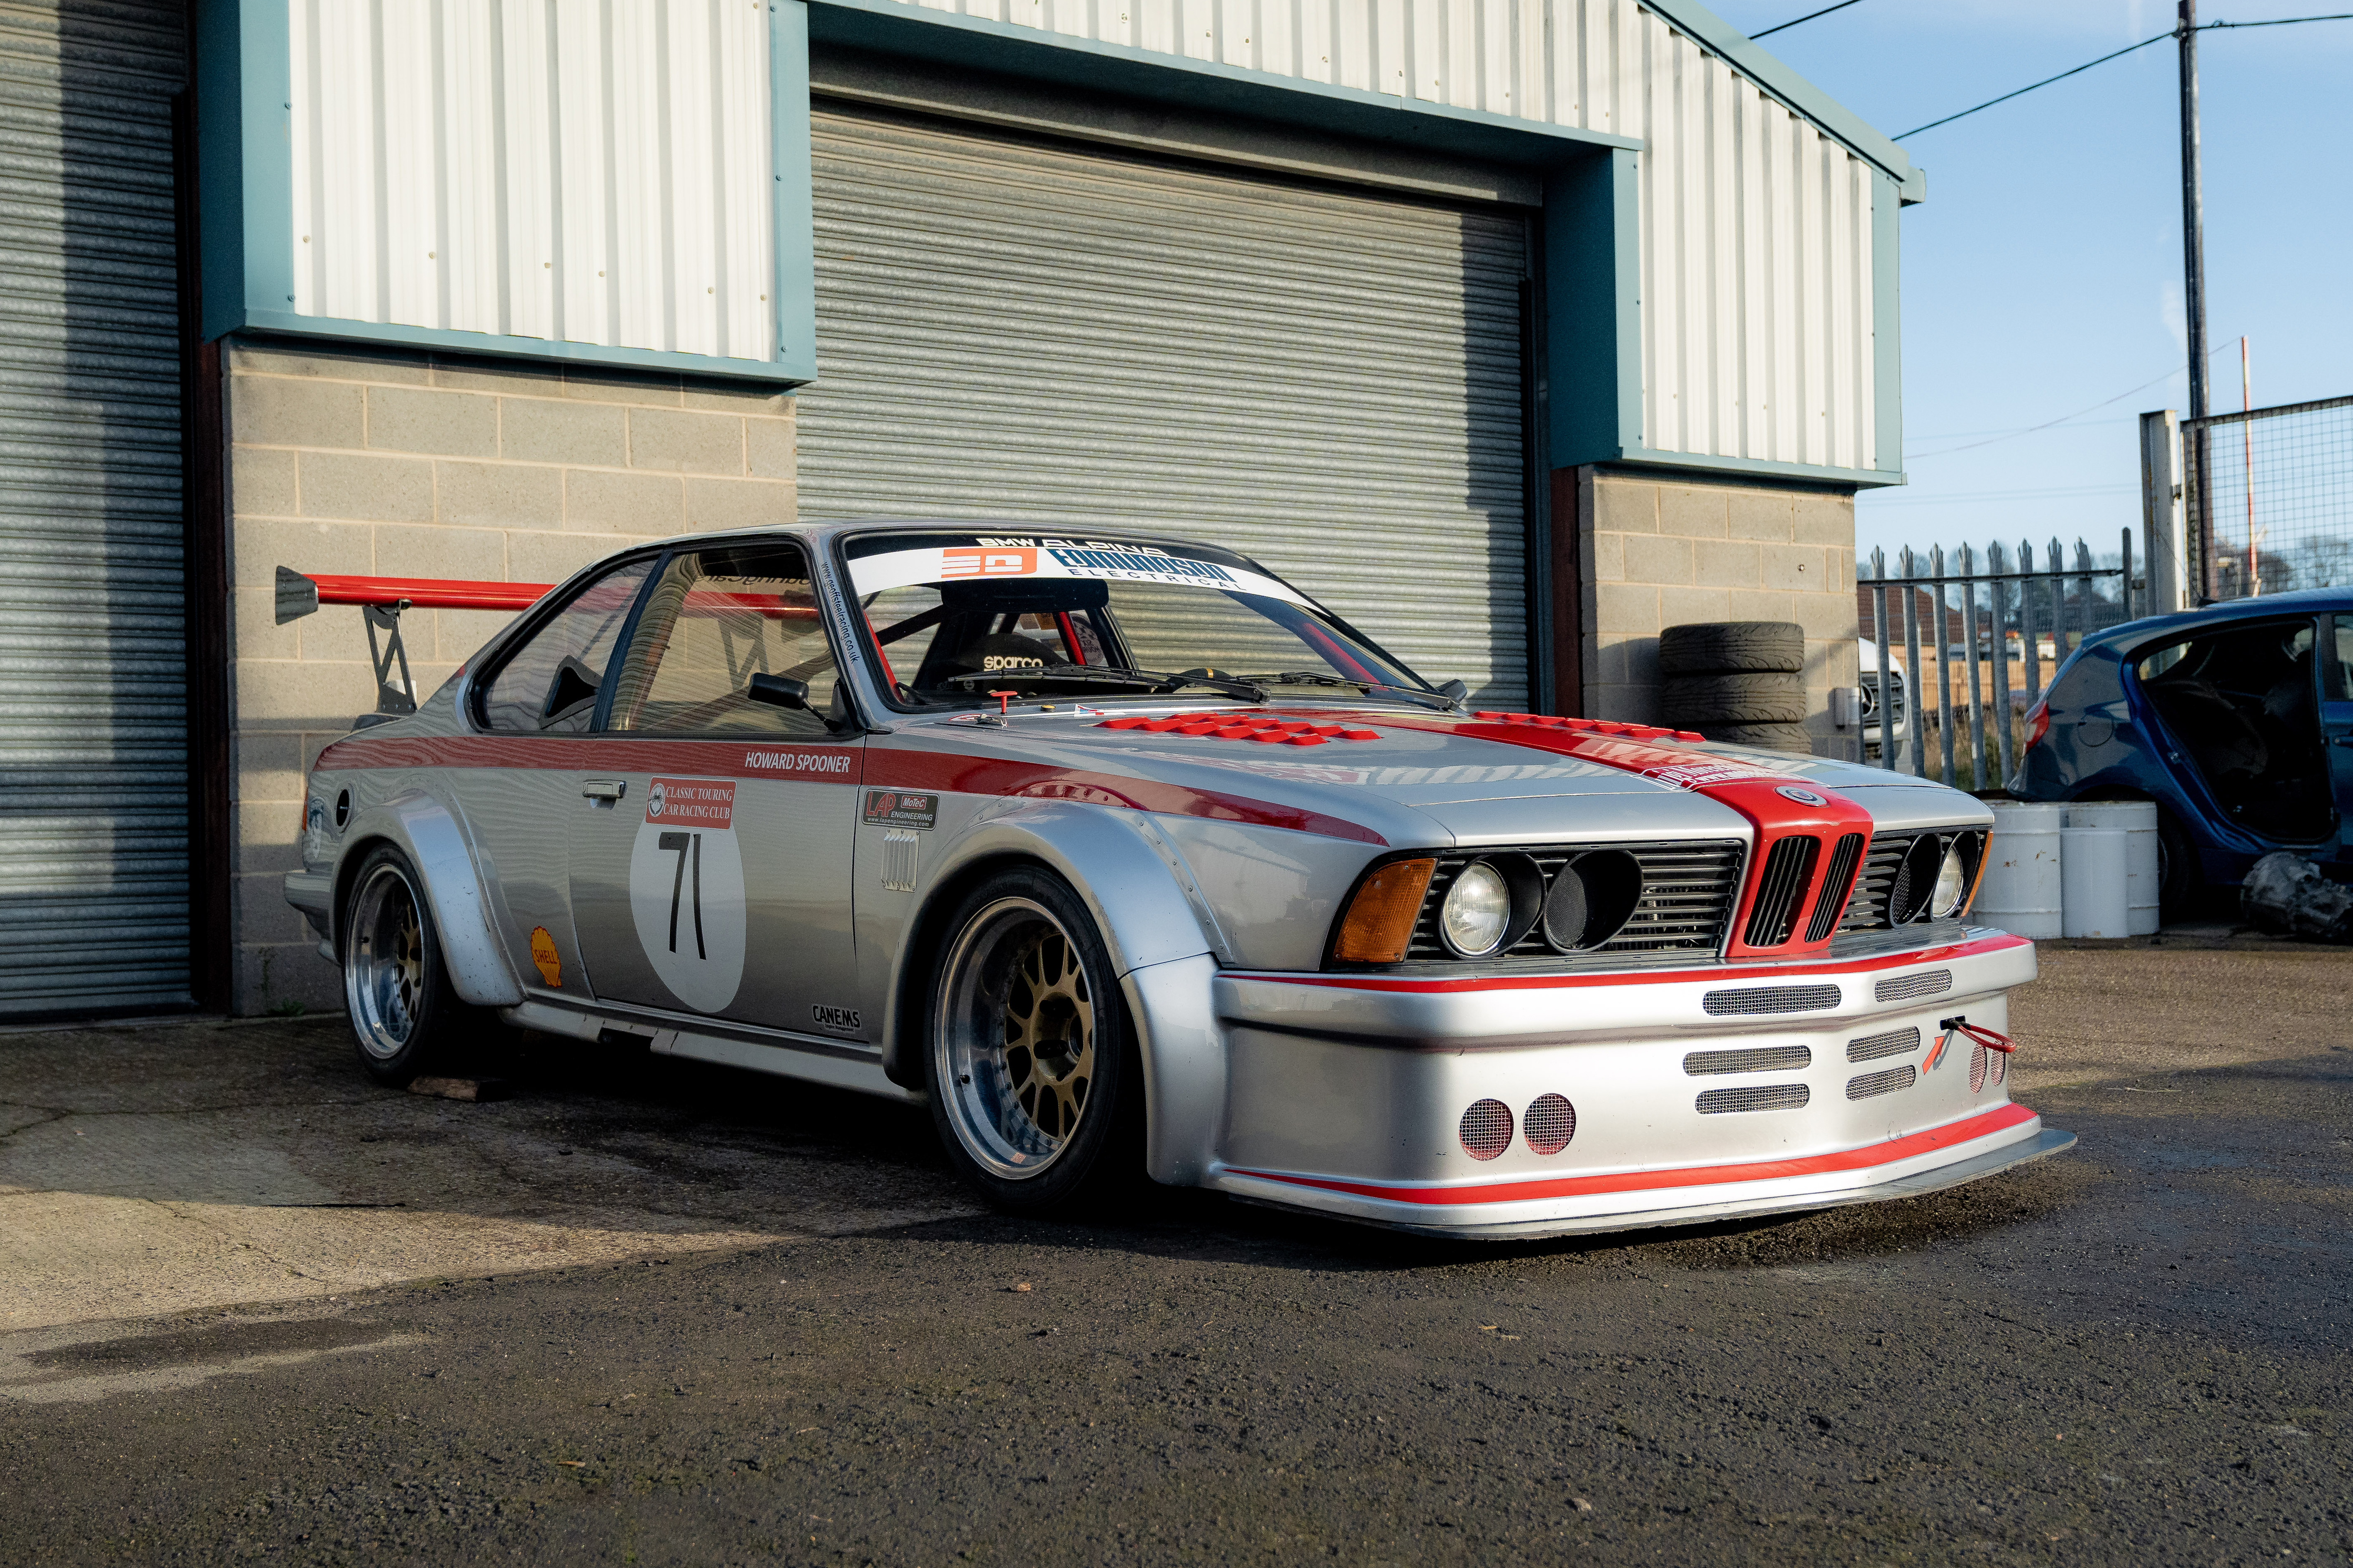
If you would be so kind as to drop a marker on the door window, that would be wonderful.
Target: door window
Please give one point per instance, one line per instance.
(730, 644)
(2241, 701)
(549, 684)
(2336, 674)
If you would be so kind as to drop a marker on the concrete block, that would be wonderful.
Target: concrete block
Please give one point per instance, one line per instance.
(1606, 665)
(382, 366)
(259, 546)
(1759, 604)
(1798, 567)
(513, 378)
(738, 503)
(1762, 514)
(745, 397)
(1624, 705)
(261, 481)
(1726, 564)
(284, 411)
(459, 635)
(1818, 518)
(337, 634)
(1626, 608)
(254, 631)
(545, 430)
(1625, 506)
(769, 449)
(366, 487)
(1693, 511)
(258, 912)
(267, 764)
(1657, 558)
(1605, 556)
(681, 443)
(263, 835)
(276, 694)
(636, 504)
(653, 391)
(1681, 606)
(498, 495)
(1829, 615)
(476, 554)
(271, 975)
(425, 419)
(553, 557)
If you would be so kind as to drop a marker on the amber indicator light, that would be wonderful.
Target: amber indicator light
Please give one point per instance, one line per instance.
(1379, 921)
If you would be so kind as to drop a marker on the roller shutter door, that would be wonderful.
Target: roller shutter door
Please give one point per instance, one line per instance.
(94, 761)
(1328, 378)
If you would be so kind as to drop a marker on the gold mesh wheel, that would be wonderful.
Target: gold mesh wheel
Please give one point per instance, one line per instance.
(1014, 1037)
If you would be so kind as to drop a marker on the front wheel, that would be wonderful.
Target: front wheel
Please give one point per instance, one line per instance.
(406, 1016)
(1035, 1084)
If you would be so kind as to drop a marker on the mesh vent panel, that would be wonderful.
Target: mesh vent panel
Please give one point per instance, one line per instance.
(1486, 1129)
(1761, 1097)
(1920, 983)
(1894, 1043)
(1550, 1124)
(1770, 999)
(1764, 1058)
(1888, 1082)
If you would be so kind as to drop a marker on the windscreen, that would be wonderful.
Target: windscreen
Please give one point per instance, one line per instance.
(955, 617)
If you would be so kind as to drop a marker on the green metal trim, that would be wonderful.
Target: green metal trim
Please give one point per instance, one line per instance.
(794, 284)
(1753, 61)
(1699, 462)
(1888, 325)
(1593, 347)
(1036, 55)
(286, 324)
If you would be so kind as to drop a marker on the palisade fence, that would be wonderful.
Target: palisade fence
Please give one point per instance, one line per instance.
(2268, 495)
(1965, 619)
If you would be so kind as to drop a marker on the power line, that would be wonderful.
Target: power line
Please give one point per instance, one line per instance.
(1994, 435)
(1825, 11)
(2104, 59)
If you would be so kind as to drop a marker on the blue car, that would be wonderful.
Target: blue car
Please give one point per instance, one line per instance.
(2236, 720)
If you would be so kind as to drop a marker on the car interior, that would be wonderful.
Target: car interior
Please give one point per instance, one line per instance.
(2244, 702)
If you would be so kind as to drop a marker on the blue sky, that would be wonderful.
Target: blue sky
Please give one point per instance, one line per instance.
(2042, 275)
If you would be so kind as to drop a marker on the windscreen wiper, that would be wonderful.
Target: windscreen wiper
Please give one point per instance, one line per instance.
(1151, 680)
(1316, 677)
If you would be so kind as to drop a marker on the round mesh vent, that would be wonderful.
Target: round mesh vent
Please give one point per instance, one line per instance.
(1550, 1124)
(1486, 1129)
(1977, 1068)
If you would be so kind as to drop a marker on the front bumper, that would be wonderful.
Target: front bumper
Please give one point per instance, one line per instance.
(1347, 1094)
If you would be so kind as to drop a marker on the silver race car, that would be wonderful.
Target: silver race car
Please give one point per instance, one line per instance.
(1126, 857)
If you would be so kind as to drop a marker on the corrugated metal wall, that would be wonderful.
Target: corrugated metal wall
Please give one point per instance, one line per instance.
(597, 173)
(1327, 379)
(1757, 266)
(94, 690)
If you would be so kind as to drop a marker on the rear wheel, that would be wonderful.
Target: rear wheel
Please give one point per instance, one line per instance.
(405, 1018)
(1035, 1085)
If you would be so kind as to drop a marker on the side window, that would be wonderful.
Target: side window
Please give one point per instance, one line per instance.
(550, 684)
(716, 622)
(2337, 673)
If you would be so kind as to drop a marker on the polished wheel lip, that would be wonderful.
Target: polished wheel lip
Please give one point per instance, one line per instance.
(384, 962)
(973, 1065)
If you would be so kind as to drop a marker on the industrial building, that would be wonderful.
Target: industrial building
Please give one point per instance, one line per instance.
(1513, 328)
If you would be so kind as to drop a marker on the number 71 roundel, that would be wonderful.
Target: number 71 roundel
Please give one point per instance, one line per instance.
(686, 889)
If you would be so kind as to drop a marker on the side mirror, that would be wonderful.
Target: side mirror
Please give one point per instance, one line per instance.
(778, 691)
(1453, 690)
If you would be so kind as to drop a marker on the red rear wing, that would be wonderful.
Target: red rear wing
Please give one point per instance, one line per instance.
(299, 595)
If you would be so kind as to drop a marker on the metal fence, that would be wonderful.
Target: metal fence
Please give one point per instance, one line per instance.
(2269, 498)
(1965, 619)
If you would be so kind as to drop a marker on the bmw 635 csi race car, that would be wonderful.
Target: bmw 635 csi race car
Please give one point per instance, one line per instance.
(1127, 857)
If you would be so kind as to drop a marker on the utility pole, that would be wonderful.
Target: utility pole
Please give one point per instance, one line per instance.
(2193, 278)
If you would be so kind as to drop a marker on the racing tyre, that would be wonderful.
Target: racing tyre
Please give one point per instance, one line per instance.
(1726, 647)
(1764, 737)
(1693, 701)
(405, 1018)
(1036, 1086)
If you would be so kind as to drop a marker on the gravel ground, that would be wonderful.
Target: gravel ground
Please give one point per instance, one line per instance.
(765, 1327)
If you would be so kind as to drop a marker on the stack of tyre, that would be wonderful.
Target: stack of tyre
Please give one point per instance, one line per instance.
(1741, 682)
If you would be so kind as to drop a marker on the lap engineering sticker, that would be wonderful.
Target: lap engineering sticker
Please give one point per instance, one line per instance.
(686, 890)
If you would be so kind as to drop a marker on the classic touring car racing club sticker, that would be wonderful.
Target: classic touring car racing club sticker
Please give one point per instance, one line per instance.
(686, 889)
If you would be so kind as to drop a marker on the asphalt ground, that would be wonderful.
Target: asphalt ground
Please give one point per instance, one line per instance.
(653, 1312)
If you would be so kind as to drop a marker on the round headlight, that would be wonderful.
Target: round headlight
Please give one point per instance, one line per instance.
(1477, 911)
(1952, 884)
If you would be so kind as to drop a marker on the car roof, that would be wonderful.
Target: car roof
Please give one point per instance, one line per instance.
(2299, 601)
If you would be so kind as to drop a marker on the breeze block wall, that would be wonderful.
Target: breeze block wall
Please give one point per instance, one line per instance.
(1662, 552)
(388, 464)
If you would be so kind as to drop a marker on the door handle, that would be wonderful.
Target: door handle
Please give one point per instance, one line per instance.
(605, 789)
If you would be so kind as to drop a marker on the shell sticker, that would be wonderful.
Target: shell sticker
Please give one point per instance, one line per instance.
(686, 890)
(543, 956)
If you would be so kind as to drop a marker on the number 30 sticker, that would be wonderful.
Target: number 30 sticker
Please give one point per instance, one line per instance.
(686, 889)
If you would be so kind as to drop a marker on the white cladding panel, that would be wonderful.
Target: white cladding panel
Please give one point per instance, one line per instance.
(589, 174)
(1756, 234)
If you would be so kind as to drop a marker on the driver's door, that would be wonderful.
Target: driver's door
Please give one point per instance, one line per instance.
(721, 883)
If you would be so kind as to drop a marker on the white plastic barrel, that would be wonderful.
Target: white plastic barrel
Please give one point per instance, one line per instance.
(2022, 893)
(2137, 819)
(2093, 882)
